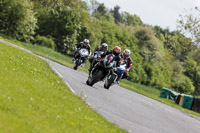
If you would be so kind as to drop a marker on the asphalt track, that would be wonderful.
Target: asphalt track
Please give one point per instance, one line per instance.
(129, 110)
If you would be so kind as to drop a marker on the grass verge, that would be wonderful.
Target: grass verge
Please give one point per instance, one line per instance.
(34, 99)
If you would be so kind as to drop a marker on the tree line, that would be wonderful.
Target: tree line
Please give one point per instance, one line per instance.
(161, 58)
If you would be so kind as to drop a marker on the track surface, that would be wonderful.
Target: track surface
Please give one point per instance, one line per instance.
(129, 110)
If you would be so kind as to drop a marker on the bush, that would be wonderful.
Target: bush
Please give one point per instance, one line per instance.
(44, 41)
(183, 84)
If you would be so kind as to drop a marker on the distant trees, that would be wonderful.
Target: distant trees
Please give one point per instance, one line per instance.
(189, 25)
(17, 19)
(62, 24)
(131, 20)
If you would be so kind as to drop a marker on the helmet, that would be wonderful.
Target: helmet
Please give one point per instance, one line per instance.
(116, 50)
(104, 46)
(85, 42)
(126, 53)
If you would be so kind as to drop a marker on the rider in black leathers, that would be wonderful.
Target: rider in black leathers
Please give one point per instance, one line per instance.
(116, 52)
(84, 44)
(103, 48)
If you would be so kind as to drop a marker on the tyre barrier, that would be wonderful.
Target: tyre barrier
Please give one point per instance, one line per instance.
(168, 94)
(185, 101)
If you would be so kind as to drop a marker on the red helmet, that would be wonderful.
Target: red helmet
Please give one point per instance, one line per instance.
(116, 50)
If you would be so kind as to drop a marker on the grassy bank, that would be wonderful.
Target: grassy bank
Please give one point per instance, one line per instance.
(34, 99)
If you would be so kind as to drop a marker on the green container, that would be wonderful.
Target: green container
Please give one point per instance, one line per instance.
(173, 95)
(168, 94)
(165, 93)
(187, 101)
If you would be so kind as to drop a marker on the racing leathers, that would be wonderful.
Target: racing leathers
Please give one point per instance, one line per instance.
(80, 46)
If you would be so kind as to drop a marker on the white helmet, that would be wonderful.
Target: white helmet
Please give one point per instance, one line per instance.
(86, 41)
(104, 45)
(126, 53)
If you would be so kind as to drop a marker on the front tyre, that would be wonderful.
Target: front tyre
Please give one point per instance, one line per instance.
(76, 64)
(106, 87)
(95, 78)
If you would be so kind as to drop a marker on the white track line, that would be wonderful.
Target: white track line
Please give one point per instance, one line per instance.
(60, 75)
(70, 87)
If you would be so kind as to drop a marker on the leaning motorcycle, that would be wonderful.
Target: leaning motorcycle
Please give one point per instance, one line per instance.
(100, 70)
(112, 77)
(79, 60)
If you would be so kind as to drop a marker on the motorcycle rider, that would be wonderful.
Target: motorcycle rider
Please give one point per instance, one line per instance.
(103, 48)
(85, 44)
(116, 52)
(126, 56)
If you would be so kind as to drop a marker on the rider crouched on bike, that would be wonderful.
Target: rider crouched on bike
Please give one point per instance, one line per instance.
(85, 44)
(116, 52)
(103, 48)
(126, 56)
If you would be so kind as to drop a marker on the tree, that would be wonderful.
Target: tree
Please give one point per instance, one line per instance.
(150, 47)
(17, 19)
(189, 25)
(116, 14)
(62, 24)
(131, 20)
(102, 14)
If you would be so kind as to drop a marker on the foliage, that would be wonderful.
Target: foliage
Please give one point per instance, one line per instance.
(44, 41)
(182, 84)
(189, 25)
(62, 24)
(17, 19)
(150, 48)
(131, 20)
(101, 13)
(192, 70)
(116, 14)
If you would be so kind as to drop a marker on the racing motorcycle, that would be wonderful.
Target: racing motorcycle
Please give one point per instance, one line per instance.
(97, 54)
(114, 74)
(79, 60)
(100, 70)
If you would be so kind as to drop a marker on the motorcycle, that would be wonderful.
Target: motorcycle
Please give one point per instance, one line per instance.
(112, 77)
(100, 70)
(83, 55)
(95, 57)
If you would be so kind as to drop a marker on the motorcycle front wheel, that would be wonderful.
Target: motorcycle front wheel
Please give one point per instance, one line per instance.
(95, 78)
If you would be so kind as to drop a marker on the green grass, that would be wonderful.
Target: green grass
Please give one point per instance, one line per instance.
(33, 99)
(46, 52)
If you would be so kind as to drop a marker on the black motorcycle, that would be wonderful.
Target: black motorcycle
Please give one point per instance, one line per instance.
(114, 74)
(100, 70)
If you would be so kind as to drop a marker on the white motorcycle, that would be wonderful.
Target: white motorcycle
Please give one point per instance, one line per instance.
(79, 60)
